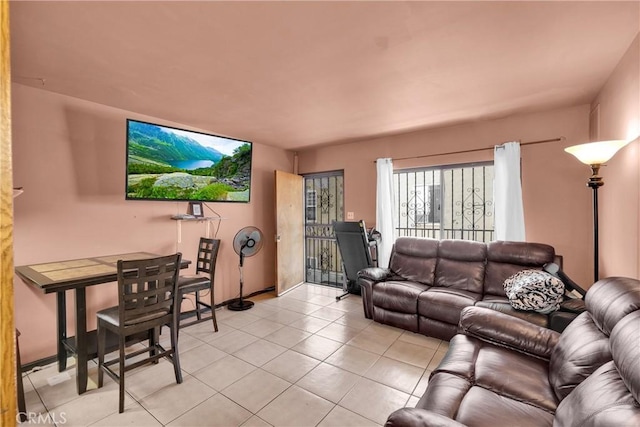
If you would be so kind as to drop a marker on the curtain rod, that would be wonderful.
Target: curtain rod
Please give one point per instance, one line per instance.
(543, 141)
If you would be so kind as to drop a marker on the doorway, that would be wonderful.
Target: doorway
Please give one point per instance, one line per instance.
(323, 204)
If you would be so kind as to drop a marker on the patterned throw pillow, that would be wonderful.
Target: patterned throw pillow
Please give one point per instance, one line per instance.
(534, 290)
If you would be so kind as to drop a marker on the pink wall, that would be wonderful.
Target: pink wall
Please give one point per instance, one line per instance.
(619, 199)
(556, 201)
(69, 155)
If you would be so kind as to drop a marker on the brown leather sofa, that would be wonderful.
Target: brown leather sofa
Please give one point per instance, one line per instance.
(502, 371)
(429, 282)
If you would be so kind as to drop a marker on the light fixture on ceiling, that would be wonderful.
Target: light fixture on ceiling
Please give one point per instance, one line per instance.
(595, 154)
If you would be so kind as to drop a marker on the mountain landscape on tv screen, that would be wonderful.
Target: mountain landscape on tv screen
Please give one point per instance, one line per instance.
(170, 165)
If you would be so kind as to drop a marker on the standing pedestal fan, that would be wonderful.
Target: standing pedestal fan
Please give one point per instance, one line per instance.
(247, 242)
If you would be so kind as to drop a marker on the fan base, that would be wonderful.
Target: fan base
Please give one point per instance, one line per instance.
(240, 305)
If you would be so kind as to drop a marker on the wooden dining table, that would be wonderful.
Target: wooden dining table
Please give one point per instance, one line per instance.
(76, 275)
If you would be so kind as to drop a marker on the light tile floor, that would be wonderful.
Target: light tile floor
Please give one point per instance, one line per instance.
(302, 359)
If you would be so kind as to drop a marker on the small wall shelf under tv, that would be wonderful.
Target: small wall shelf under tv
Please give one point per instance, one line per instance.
(195, 218)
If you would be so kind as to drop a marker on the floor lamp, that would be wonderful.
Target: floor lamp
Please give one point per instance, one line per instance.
(595, 154)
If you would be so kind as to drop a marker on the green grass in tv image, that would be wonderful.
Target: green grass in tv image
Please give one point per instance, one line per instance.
(151, 176)
(145, 189)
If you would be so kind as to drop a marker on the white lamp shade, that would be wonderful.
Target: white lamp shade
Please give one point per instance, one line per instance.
(596, 153)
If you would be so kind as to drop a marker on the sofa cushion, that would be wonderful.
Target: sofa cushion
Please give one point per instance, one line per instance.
(584, 345)
(414, 259)
(502, 305)
(462, 361)
(459, 399)
(436, 328)
(444, 394)
(515, 375)
(461, 265)
(405, 321)
(482, 407)
(503, 371)
(398, 296)
(534, 290)
(507, 258)
(445, 304)
(477, 383)
(581, 350)
(609, 300)
(625, 343)
(609, 396)
(420, 417)
(600, 400)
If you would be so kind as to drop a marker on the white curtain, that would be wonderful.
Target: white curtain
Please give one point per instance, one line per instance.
(507, 193)
(385, 219)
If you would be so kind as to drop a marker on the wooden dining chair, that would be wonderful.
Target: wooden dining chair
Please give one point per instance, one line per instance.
(147, 300)
(203, 280)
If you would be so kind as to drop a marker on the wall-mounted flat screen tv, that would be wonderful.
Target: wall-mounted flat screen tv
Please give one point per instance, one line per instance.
(166, 163)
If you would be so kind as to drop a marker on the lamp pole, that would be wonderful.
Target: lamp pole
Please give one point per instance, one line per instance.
(595, 181)
(595, 154)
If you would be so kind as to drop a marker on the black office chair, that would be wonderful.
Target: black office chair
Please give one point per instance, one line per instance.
(202, 280)
(147, 300)
(355, 249)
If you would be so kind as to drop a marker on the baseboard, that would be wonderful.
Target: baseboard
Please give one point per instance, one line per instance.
(38, 363)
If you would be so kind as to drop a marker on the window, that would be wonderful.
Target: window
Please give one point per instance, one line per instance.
(446, 202)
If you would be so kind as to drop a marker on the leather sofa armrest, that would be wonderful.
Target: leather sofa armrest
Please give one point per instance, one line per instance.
(375, 274)
(508, 331)
(575, 305)
(367, 278)
(414, 417)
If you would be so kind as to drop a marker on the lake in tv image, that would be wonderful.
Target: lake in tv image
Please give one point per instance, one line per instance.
(165, 163)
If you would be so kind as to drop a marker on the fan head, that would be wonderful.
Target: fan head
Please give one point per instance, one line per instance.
(248, 241)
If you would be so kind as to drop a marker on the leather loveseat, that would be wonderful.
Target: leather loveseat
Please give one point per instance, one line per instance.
(501, 371)
(429, 282)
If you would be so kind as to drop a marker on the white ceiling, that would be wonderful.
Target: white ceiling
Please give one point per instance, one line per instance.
(299, 74)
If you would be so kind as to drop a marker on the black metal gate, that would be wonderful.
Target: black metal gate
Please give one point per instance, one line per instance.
(324, 203)
(446, 202)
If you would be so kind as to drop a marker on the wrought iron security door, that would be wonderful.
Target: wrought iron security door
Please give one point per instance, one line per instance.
(324, 203)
